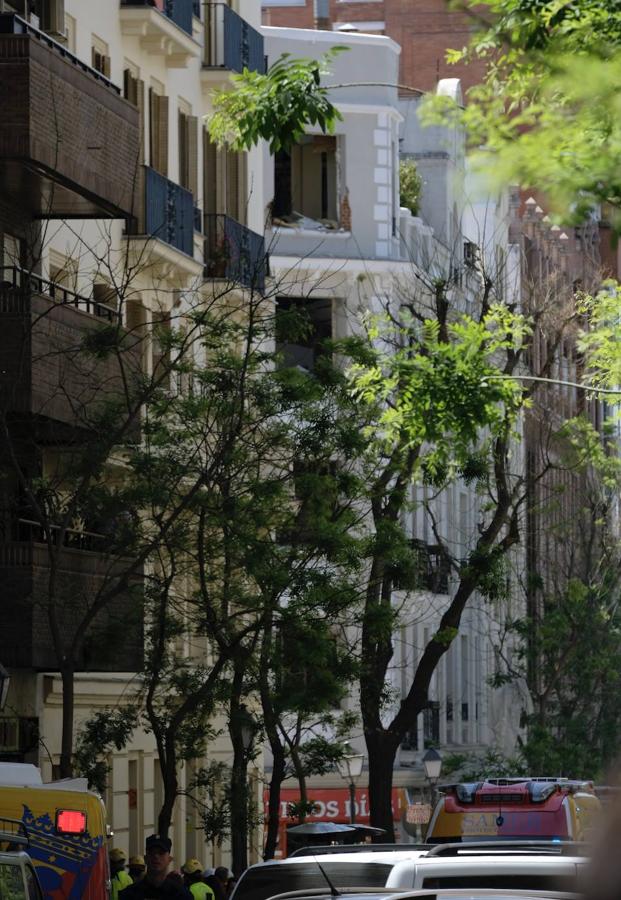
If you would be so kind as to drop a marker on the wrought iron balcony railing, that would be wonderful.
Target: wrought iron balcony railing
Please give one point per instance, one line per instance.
(168, 212)
(18, 281)
(234, 252)
(230, 42)
(178, 11)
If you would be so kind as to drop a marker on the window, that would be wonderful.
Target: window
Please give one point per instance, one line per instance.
(100, 56)
(133, 90)
(11, 882)
(70, 33)
(158, 131)
(63, 270)
(11, 251)
(305, 183)
(224, 180)
(105, 294)
(188, 151)
(302, 327)
(52, 16)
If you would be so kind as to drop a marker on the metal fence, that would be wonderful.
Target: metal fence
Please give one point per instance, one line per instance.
(230, 42)
(169, 211)
(234, 252)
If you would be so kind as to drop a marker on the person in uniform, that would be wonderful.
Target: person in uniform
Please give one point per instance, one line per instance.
(136, 867)
(120, 878)
(155, 885)
(193, 879)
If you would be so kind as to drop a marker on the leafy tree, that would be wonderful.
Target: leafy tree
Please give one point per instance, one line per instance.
(546, 111)
(410, 185)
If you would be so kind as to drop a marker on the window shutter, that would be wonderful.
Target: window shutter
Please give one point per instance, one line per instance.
(192, 123)
(210, 174)
(162, 137)
(232, 183)
(140, 105)
(182, 129)
(105, 68)
(153, 128)
(243, 188)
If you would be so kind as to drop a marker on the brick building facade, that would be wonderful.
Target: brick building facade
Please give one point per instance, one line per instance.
(424, 29)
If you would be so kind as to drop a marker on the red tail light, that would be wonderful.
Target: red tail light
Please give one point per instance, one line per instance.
(70, 821)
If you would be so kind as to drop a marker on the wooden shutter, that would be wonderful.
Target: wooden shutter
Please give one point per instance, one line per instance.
(232, 183)
(162, 103)
(243, 187)
(210, 174)
(158, 132)
(182, 128)
(140, 105)
(192, 123)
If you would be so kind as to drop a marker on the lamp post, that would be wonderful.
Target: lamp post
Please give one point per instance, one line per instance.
(432, 764)
(349, 767)
(5, 680)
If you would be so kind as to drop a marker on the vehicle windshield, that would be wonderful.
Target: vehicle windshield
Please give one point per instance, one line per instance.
(261, 882)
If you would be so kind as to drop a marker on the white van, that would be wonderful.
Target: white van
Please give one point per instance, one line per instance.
(412, 870)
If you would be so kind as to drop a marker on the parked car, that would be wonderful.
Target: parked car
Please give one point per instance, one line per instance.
(509, 808)
(18, 879)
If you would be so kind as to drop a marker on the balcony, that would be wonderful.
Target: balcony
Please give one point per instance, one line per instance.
(433, 567)
(47, 370)
(231, 44)
(57, 157)
(163, 27)
(234, 252)
(115, 641)
(162, 237)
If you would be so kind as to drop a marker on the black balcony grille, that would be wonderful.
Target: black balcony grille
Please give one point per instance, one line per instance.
(230, 42)
(178, 11)
(20, 282)
(10, 23)
(169, 212)
(433, 567)
(234, 252)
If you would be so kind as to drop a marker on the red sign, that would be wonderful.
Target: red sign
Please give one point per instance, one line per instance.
(333, 804)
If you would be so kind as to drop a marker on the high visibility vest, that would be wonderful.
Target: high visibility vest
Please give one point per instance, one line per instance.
(121, 880)
(201, 891)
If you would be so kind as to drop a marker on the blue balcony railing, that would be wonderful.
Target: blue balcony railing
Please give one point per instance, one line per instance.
(169, 212)
(178, 11)
(230, 42)
(234, 252)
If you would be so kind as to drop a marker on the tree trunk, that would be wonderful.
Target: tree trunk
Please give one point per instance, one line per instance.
(239, 801)
(301, 777)
(273, 817)
(171, 790)
(382, 749)
(66, 746)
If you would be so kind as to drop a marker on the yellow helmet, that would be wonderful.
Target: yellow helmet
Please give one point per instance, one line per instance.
(191, 866)
(117, 855)
(136, 862)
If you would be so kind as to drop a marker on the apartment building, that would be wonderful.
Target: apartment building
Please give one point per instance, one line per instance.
(116, 209)
(341, 245)
(424, 30)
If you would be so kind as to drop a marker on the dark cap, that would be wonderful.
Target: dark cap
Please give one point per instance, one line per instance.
(155, 842)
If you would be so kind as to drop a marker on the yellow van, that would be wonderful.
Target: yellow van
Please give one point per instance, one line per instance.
(497, 809)
(66, 826)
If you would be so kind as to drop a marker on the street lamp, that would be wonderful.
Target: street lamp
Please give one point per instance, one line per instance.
(247, 727)
(432, 764)
(5, 680)
(349, 768)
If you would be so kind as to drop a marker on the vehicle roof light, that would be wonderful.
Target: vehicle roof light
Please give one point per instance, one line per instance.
(465, 792)
(70, 821)
(540, 791)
